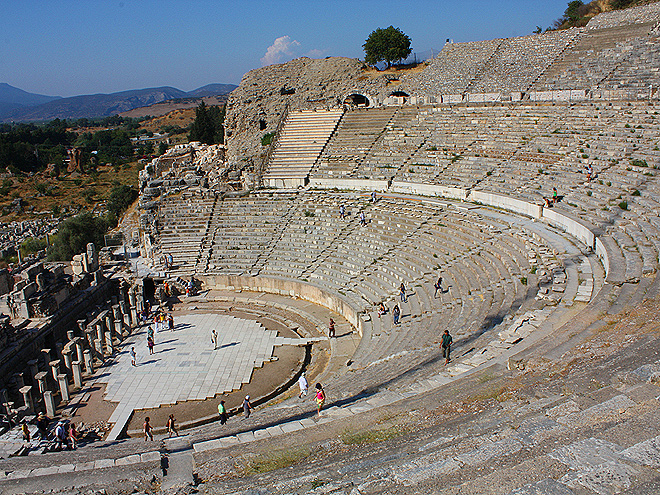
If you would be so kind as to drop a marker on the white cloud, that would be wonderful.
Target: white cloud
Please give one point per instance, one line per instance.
(281, 47)
(315, 53)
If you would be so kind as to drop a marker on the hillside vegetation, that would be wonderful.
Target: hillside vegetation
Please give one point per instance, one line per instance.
(578, 13)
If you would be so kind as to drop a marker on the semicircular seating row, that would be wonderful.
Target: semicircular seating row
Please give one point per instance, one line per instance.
(492, 264)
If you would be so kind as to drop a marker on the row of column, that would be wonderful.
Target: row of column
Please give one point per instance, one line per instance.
(96, 340)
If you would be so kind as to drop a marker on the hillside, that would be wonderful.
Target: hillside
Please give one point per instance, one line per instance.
(99, 105)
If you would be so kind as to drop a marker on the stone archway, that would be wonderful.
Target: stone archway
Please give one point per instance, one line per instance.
(357, 100)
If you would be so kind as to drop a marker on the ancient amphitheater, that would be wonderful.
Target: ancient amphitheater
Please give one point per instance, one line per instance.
(552, 386)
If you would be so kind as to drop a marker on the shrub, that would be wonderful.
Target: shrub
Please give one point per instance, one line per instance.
(267, 139)
(636, 193)
(623, 205)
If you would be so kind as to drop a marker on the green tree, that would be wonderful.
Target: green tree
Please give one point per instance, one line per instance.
(388, 45)
(207, 126)
(573, 11)
(121, 197)
(75, 233)
(162, 148)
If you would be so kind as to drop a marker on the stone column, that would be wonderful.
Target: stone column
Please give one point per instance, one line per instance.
(41, 377)
(126, 316)
(27, 397)
(79, 349)
(139, 299)
(70, 334)
(108, 343)
(133, 307)
(64, 387)
(50, 403)
(98, 348)
(99, 331)
(109, 322)
(20, 380)
(66, 354)
(34, 367)
(81, 326)
(77, 374)
(55, 366)
(89, 336)
(89, 364)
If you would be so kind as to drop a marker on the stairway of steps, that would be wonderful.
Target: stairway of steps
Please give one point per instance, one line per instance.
(301, 140)
(356, 133)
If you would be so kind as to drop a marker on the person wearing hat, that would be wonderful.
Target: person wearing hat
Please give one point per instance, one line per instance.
(247, 407)
(302, 383)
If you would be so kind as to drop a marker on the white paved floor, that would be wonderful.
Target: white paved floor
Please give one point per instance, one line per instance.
(184, 365)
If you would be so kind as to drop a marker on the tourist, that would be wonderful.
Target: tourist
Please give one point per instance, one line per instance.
(190, 287)
(60, 435)
(214, 339)
(132, 353)
(247, 407)
(342, 212)
(164, 463)
(157, 322)
(147, 429)
(373, 196)
(446, 346)
(166, 288)
(302, 383)
(170, 322)
(402, 293)
(554, 196)
(42, 425)
(25, 430)
(363, 219)
(171, 426)
(170, 261)
(150, 332)
(396, 312)
(331, 328)
(222, 412)
(547, 202)
(150, 344)
(437, 286)
(381, 309)
(320, 398)
(73, 436)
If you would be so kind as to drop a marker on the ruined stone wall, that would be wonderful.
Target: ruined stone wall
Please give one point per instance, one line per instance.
(257, 105)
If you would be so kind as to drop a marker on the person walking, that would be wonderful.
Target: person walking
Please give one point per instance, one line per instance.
(247, 407)
(42, 425)
(554, 196)
(171, 426)
(25, 430)
(150, 332)
(214, 339)
(302, 383)
(150, 344)
(60, 435)
(331, 328)
(437, 286)
(147, 429)
(222, 412)
(157, 322)
(320, 398)
(170, 322)
(342, 212)
(132, 353)
(73, 436)
(373, 197)
(396, 312)
(446, 346)
(363, 219)
(402, 293)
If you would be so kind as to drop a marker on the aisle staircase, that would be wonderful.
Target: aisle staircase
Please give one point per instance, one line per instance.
(300, 142)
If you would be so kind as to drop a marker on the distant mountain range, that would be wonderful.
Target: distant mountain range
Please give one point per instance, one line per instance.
(17, 105)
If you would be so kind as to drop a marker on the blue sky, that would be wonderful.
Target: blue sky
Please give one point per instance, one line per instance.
(76, 47)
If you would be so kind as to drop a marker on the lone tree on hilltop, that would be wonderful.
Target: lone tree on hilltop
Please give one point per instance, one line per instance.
(388, 45)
